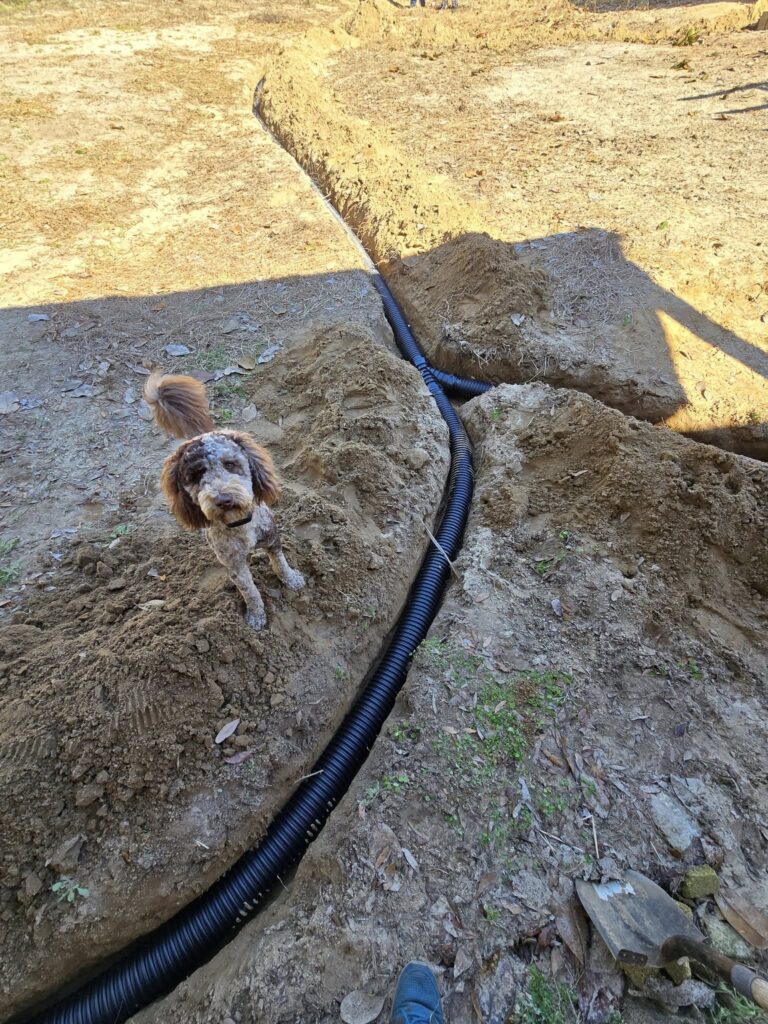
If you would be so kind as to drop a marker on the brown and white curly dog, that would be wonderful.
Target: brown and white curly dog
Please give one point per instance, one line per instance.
(222, 482)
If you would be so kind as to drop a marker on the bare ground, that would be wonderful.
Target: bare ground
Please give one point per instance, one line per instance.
(603, 640)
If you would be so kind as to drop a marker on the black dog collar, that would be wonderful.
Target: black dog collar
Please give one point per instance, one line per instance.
(241, 522)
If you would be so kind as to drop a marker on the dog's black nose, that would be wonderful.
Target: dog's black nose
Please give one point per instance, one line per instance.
(224, 501)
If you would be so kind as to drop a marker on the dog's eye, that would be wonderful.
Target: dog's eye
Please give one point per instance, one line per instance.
(231, 466)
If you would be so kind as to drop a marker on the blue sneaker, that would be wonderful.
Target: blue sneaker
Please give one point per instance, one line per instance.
(417, 1000)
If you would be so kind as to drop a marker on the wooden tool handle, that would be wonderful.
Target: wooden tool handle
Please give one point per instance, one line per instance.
(748, 983)
(742, 978)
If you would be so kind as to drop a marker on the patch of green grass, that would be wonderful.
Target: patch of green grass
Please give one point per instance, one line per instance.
(404, 732)
(226, 388)
(68, 890)
(395, 783)
(663, 226)
(371, 794)
(339, 672)
(119, 531)
(687, 38)
(566, 547)
(733, 1008)
(457, 664)
(225, 415)
(7, 545)
(550, 802)
(691, 667)
(214, 358)
(495, 415)
(545, 1002)
(8, 572)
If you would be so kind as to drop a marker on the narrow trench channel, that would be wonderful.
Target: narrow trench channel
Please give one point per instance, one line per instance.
(157, 963)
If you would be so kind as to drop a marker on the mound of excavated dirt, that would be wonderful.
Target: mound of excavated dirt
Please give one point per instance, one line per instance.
(591, 698)
(467, 300)
(632, 303)
(116, 679)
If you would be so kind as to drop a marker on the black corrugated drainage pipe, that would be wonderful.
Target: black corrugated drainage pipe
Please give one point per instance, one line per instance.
(171, 953)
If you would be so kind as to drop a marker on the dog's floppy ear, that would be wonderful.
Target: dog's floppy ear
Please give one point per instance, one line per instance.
(186, 511)
(263, 476)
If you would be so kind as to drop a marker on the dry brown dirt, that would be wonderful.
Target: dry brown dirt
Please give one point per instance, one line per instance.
(609, 171)
(547, 209)
(600, 659)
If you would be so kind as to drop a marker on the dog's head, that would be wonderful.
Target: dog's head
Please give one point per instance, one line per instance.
(218, 478)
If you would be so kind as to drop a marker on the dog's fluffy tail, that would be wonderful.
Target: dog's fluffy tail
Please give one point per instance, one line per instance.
(179, 404)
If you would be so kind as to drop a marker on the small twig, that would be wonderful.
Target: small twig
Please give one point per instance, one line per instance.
(310, 776)
(594, 836)
(442, 551)
(562, 842)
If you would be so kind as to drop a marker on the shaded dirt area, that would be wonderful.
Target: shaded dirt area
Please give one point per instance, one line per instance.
(118, 675)
(596, 676)
(606, 174)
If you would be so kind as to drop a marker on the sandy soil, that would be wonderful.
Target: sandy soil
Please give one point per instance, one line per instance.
(611, 595)
(611, 173)
(600, 661)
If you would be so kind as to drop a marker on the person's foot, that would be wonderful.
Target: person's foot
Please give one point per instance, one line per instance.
(417, 1000)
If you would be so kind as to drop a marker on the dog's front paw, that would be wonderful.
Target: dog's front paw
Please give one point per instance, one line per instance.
(256, 620)
(294, 580)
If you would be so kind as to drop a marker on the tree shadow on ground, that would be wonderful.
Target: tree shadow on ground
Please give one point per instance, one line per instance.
(724, 93)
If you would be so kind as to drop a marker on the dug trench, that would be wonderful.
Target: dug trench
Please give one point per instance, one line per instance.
(118, 674)
(468, 892)
(515, 241)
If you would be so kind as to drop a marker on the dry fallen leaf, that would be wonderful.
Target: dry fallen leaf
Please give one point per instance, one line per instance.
(226, 731)
(361, 1007)
(177, 350)
(247, 362)
(572, 928)
(239, 757)
(749, 922)
(485, 883)
(412, 862)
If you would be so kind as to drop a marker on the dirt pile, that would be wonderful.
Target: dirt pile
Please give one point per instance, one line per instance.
(467, 300)
(117, 676)
(590, 697)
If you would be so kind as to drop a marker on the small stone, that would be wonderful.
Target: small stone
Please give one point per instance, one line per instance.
(86, 555)
(117, 584)
(417, 458)
(276, 699)
(375, 562)
(32, 884)
(202, 646)
(88, 795)
(674, 822)
(639, 975)
(65, 857)
(269, 678)
(103, 571)
(700, 881)
(102, 777)
(725, 938)
(679, 970)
